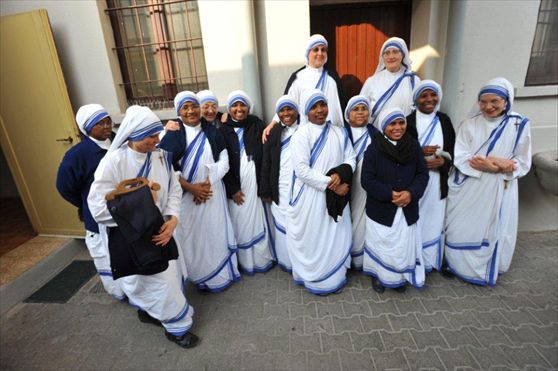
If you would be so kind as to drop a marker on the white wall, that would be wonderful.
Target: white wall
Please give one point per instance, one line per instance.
(77, 29)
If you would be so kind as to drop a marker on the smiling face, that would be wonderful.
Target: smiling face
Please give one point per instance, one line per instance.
(317, 56)
(318, 113)
(359, 115)
(492, 105)
(239, 111)
(392, 59)
(287, 115)
(209, 111)
(147, 144)
(427, 101)
(190, 113)
(396, 129)
(102, 130)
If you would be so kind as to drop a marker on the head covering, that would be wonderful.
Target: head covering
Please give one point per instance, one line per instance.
(239, 96)
(88, 116)
(498, 86)
(355, 101)
(285, 101)
(138, 123)
(314, 41)
(387, 116)
(428, 85)
(395, 43)
(206, 96)
(310, 97)
(183, 97)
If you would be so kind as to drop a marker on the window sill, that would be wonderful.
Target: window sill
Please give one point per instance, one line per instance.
(536, 91)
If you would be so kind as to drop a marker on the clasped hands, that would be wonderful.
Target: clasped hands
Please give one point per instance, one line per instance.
(492, 164)
(435, 161)
(335, 185)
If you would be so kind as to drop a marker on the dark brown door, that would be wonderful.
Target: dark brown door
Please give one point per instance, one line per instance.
(356, 32)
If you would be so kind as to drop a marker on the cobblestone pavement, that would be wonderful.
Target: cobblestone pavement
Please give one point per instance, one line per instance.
(266, 322)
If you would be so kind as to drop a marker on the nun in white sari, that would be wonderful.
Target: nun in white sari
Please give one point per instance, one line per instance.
(319, 247)
(393, 82)
(492, 150)
(133, 153)
(205, 232)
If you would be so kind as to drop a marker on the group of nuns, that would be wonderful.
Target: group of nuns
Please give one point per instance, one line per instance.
(385, 186)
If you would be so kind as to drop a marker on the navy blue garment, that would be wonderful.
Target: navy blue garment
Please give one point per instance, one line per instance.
(75, 175)
(175, 142)
(381, 175)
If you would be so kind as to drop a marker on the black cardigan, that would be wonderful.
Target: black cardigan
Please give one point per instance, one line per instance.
(449, 143)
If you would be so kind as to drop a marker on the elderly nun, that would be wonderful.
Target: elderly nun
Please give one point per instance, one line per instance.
(393, 82)
(492, 150)
(242, 132)
(209, 108)
(134, 153)
(394, 176)
(319, 230)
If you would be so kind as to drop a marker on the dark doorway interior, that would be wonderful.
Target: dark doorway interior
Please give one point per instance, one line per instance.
(356, 32)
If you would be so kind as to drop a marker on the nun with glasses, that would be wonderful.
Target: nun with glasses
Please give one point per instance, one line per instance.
(436, 136)
(319, 217)
(209, 108)
(134, 153)
(492, 150)
(242, 133)
(393, 82)
(360, 132)
(394, 176)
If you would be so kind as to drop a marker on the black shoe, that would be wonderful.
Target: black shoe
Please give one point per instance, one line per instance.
(377, 286)
(144, 317)
(401, 289)
(446, 272)
(188, 340)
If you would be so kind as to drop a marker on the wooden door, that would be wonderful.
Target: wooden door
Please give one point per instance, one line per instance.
(36, 120)
(356, 32)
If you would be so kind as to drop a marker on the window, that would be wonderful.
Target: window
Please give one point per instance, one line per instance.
(159, 47)
(543, 65)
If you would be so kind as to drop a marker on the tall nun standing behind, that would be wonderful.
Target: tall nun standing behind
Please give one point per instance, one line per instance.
(435, 134)
(492, 150)
(319, 220)
(394, 176)
(132, 154)
(242, 133)
(393, 82)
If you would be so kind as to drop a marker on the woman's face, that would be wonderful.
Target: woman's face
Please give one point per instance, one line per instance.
(190, 113)
(239, 111)
(396, 129)
(102, 130)
(427, 101)
(287, 115)
(147, 144)
(392, 59)
(318, 113)
(317, 56)
(359, 115)
(491, 105)
(209, 111)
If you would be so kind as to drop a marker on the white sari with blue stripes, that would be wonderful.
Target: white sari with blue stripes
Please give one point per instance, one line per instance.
(481, 216)
(319, 248)
(160, 295)
(205, 231)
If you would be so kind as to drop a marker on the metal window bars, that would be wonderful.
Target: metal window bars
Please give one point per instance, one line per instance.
(159, 48)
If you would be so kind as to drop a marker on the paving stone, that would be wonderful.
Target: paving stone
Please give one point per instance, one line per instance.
(360, 307)
(423, 359)
(367, 341)
(463, 336)
(467, 290)
(541, 301)
(289, 326)
(462, 304)
(280, 310)
(299, 343)
(389, 360)
(525, 356)
(352, 324)
(287, 296)
(430, 321)
(521, 335)
(410, 306)
(429, 339)
(486, 302)
(375, 323)
(548, 334)
(299, 310)
(328, 309)
(345, 295)
(355, 361)
(457, 358)
(224, 362)
(256, 361)
(336, 342)
(545, 316)
(321, 325)
(294, 362)
(458, 320)
(404, 322)
(517, 302)
(491, 358)
(520, 317)
(491, 336)
(323, 361)
(395, 340)
(436, 305)
(550, 354)
(383, 307)
(492, 317)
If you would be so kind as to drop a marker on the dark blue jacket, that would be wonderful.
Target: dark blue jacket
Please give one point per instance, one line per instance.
(75, 175)
(381, 175)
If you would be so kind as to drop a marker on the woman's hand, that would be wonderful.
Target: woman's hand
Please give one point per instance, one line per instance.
(435, 162)
(334, 182)
(429, 150)
(165, 232)
(484, 164)
(342, 189)
(266, 131)
(172, 125)
(401, 199)
(505, 165)
(224, 117)
(238, 198)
